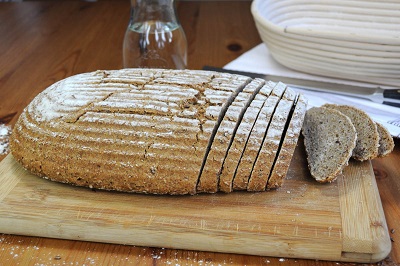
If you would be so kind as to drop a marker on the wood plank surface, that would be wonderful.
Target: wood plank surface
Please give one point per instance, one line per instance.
(342, 221)
(44, 41)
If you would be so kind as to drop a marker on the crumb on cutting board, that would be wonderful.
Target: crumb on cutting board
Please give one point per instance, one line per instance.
(5, 132)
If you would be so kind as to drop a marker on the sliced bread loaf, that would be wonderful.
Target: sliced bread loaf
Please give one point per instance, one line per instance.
(253, 146)
(367, 132)
(241, 137)
(148, 130)
(105, 130)
(285, 153)
(208, 177)
(329, 139)
(270, 146)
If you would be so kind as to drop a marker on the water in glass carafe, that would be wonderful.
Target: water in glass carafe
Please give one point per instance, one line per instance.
(154, 37)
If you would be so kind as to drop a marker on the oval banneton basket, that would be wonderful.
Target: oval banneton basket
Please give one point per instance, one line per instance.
(356, 40)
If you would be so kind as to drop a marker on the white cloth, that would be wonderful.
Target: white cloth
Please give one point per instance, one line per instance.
(259, 60)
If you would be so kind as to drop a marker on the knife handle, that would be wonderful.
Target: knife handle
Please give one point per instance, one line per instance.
(392, 104)
(392, 94)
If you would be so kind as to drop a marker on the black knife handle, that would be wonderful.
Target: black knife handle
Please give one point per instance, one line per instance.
(391, 104)
(392, 94)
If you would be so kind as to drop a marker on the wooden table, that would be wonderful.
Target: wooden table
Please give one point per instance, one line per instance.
(45, 41)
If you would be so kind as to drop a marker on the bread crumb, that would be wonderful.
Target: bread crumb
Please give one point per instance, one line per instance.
(5, 133)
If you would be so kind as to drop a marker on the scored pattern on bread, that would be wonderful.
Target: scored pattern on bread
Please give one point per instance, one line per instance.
(241, 138)
(253, 146)
(263, 165)
(146, 159)
(145, 130)
(208, 178)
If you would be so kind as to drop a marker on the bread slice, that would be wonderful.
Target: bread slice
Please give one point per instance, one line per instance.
(272, 140)
(284, 157)
(329, 139)
(241, 137)
(245, 165)
(386, 143)
(208, 178)
(104, 130)
(367, 132)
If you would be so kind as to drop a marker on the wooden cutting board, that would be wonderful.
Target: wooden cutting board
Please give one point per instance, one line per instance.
(341, 221)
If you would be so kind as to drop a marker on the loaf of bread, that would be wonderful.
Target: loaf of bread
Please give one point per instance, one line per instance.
(150, 130)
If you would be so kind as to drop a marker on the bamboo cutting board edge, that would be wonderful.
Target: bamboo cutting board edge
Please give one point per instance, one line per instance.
(364, 226)
(371, 233)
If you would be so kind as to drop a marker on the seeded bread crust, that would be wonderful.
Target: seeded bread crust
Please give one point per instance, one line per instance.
(386, 143)
(329, 139)
(367, 132)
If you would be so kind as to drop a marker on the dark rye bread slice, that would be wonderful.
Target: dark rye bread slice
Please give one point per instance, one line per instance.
(241, 137)
(249, 155)
(386, 143)
(272, 140)
(67, 134)
(367, 132)
(208, 178)
(285, 153)
(329, 139)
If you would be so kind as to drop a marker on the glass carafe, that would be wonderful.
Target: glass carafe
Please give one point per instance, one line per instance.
(154, 37)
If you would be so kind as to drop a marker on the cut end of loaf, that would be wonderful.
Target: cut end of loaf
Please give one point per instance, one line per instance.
(329, 139)
(330, 133)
